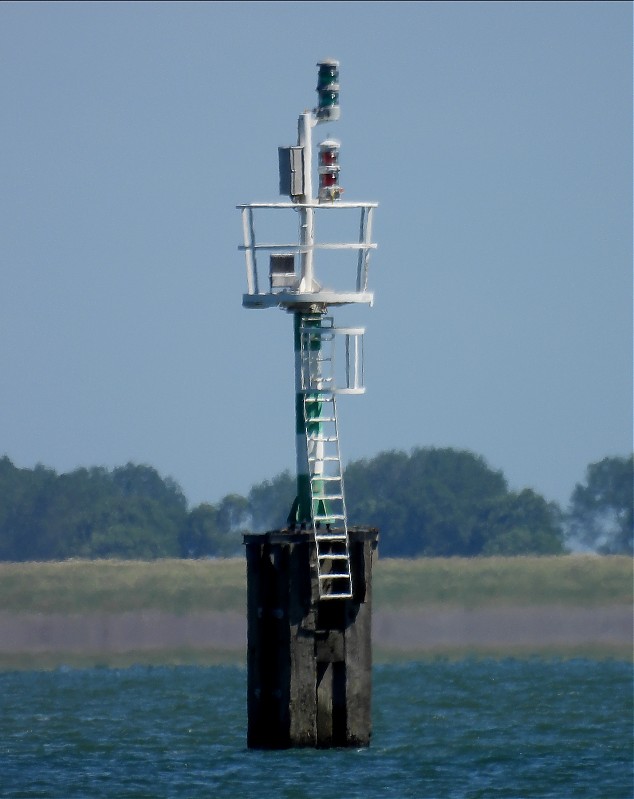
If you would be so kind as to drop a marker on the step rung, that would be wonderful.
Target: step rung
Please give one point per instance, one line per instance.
(339, 516)
(347, 595)
(341, 539)
(333, 557)
(332, 537)
(319, 399)
(326, 478)
(329, 534)
(321, 438)
(320, 419)
(319, 517)
(334, 576)
(328, 458)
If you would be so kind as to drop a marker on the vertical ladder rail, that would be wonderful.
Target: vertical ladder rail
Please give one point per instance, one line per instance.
(328, 507)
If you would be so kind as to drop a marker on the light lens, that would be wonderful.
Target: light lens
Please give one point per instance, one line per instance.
(328, 76)
(328, 98)
(328, 157)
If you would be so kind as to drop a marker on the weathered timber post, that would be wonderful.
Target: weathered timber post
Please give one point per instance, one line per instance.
(309, 659)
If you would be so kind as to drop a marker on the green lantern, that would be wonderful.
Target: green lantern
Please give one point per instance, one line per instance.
(328, 91)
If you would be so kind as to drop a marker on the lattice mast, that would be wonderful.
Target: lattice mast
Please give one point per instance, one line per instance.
(292, 284)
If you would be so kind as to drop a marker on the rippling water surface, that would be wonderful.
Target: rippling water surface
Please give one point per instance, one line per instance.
(442, 730)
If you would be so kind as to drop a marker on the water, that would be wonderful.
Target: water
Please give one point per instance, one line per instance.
(442, 730)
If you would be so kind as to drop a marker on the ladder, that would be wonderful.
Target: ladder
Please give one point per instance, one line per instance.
(328, 506)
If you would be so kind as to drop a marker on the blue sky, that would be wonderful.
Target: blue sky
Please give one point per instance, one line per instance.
(496, 138)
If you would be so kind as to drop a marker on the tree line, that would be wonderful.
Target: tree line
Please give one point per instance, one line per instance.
(429, 502)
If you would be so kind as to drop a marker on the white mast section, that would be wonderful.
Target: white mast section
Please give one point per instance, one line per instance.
(307, 215)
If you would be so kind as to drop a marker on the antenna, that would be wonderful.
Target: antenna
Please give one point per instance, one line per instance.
(291, 280)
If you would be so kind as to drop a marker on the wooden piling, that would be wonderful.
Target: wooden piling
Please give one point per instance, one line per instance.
(309, 661)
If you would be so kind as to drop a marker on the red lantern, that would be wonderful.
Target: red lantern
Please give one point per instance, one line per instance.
(329, 188)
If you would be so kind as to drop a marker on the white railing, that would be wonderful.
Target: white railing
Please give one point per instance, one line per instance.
(321, 369)
(260, 286)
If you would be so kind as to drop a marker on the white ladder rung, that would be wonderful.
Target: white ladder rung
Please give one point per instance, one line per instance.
(346, 595)
(330, 538)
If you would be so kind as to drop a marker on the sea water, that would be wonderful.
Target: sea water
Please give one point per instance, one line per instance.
(442, 730)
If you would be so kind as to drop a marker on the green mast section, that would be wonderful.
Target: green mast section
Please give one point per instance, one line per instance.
(308, 412)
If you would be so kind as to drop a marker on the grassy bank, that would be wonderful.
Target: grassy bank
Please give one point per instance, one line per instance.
(587, 581)
(183, 586)
(118, 586)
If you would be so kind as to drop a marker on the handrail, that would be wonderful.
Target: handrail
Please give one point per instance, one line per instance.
(308, 247)
(336, 204)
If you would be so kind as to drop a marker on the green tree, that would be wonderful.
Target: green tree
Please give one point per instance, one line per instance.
(73, 507)
(425, 503)
(270, 501)
(233, 513)
(432, 501)
(600, 515)
(144, 481)
(26, 496)
(201, 536)
(130, 512)
(521, 523)
(135, 527)
(12, 491)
